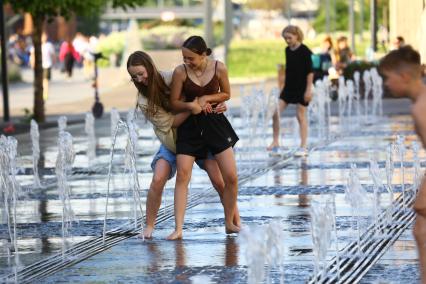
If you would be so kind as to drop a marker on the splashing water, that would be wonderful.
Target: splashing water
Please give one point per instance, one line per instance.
(357, 96)
(35, 141)
(275, 247)
(366, 77)
(62, 123)
(91, 137)
(115, 117)
(63, 168)
(10, 190)
(417, 168)
(390, 168)
(376, 176)
(355, 195)
(322, 222)
(318, 108)
(264, 245)
(401, 151)
(130, 169)
(130, 165)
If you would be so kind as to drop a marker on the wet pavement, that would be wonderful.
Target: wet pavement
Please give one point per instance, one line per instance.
(275, 191)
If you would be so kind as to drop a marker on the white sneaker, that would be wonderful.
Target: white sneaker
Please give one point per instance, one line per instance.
(301, 152)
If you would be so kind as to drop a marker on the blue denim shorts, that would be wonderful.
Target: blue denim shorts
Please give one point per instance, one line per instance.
(168, 156)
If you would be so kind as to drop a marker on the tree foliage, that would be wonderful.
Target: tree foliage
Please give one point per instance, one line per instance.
(42, 10)
(340, 14)
(278, 5)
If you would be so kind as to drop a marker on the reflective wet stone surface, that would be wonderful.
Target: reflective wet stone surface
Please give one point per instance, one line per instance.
(273, 188)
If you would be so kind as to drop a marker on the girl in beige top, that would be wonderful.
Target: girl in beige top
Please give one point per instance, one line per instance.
(154, 102)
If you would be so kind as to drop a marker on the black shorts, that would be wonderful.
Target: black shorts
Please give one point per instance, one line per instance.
(203, 133)
(293, 97)
(47, 73)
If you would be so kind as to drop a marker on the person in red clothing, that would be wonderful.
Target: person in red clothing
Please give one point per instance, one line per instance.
(68, 55)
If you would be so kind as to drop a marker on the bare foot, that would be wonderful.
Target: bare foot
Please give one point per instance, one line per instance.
(176, 235)
(236, 221)
(229, 229)
(272, 146)
(147, 233)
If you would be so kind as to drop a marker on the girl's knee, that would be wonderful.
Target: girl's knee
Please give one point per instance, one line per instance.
(219, 185)
(231, 180)
(275, 115)
(157, 184)
(183, 175)
(301, 118)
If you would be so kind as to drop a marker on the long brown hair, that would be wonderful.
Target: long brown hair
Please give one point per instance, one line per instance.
(157, 92)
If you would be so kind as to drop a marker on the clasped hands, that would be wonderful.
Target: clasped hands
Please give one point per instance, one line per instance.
(200, 104)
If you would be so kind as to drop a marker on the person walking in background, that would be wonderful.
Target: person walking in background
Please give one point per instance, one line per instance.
(398, 43)
(48, 59)
(343, 54)
(323, 59)
(403, 77)
(68, 56)
(297, 86)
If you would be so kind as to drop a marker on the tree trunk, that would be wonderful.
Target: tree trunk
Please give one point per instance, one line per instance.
(38, 22)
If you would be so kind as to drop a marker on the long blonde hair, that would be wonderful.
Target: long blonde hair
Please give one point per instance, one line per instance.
(157, 92)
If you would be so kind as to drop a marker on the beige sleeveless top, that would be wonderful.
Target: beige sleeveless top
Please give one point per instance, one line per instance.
(162, 121)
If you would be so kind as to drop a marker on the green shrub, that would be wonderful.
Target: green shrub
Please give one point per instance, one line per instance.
(113, 44)
(359, 66)
(13, 72)
(167, 36)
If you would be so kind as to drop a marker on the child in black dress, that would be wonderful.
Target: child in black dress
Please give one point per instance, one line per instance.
(297, 87)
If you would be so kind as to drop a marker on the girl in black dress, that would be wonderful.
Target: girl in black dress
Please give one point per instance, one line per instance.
(297, 87)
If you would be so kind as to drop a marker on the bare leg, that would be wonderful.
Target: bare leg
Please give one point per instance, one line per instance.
(276, 125)
(419, 232)
(215, 176)
(161, 173)
(228, 168)
(45, 88)
(184, 171)
(303, 124)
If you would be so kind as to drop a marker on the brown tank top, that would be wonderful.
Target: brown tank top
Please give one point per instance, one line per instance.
(192, 90)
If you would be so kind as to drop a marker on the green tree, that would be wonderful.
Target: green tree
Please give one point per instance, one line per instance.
(43, 10)
(268, 5)
(340, 14)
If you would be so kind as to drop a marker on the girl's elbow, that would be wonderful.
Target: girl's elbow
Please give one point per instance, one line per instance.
(173, 104)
